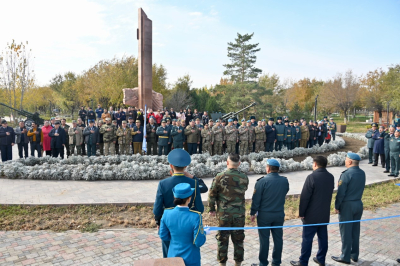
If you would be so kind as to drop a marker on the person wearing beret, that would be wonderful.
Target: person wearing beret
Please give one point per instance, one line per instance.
(178, 160)
(315, 208)
(349, 206)
(369, 135)
(268, 205)
(7, 140)
(58, 137)
(394, 147)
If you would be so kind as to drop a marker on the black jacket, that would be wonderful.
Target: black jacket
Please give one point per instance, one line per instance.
(58, 141)
(316, 197)
(7, 139)
(94, 136)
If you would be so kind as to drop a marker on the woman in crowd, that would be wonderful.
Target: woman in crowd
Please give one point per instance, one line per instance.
(46, 139)
(183, 227)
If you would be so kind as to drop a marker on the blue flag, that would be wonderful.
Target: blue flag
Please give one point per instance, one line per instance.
(144, 145)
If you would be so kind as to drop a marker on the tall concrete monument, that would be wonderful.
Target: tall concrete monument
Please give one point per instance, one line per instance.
(144, 94)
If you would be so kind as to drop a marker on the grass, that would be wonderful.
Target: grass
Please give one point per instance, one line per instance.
(90, 218)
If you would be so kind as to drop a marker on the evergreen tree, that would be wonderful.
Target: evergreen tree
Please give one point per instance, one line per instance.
(242, 55)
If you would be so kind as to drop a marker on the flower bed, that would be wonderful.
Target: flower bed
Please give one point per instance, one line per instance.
(137, 167)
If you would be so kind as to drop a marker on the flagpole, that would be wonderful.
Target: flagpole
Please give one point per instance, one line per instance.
(144, 144)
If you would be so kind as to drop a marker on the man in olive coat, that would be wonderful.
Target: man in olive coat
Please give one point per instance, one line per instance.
(315, 208)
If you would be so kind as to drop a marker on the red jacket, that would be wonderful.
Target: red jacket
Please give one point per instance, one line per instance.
(158, 118)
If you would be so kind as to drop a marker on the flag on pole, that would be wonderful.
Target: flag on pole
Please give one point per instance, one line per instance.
(144, 145)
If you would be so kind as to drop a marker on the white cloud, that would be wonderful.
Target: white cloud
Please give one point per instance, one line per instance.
(195, 13)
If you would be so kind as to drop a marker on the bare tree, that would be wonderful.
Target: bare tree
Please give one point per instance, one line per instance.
(178, 99)
(341, 92)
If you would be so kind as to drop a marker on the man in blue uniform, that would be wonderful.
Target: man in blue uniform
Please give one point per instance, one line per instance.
(183, 227)
(387, 139)
(280, 134)
(350, 208)
(297, 133)
(288, 135)
(178, 160)
(268, 205)
(163, 138)
(270, 131)
(370, 134)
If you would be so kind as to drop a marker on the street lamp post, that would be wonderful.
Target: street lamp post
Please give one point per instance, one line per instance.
(315, 108)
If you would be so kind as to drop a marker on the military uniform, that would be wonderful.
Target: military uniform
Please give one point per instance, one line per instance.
(165, 196)
(348, 201)
(109, 137)
(268, 204)
(151, 139)
(369, 135)
(270, 132)
(394, 147)
(332, 128)
(163, 139)
(260, 138)
(228, 193)
(387, 139)
(297, 139)
(231, 138)
(280, 135)
(244, 139)
(218, 138)
(305, 135)
(192, 138)
(288, 137)
(124, 140)
(177, 137)
(252, 138)
(208, 138)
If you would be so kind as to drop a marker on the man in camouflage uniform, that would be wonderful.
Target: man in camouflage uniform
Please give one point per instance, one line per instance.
(208, 139)
(231, 137)
(124, 134)
(228, 193)
(252, 135)
(244, 138)
(260, 137)
(108, 130)
(218, 138)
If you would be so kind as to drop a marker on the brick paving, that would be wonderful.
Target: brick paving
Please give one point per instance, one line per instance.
(379, 245)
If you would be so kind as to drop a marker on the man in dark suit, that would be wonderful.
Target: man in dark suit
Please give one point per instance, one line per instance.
(7, 140)
(178, 159)
(315, 207)
(58, 137)
(92, 138)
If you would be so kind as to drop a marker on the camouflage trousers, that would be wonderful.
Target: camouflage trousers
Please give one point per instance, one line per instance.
(72, 149)
(231, 146)
(124, 149)
(244, 147)
(237, 236)
(101, 148)
(259, 145)
(217, 147)
(109, 148)
(303, 143)
(207, 147)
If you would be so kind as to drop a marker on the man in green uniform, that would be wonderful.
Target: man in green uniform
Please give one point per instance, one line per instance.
(394, 147)
(371, 141)
(268, 206)
(252, 136)
(305, 135)
(218, 138)
(124, 135)
(207, 138)
(350, 207)
(109, 137)
(244, 138)
(192, 137)
(231, 137)
(228, 193)
(260, 137)
(280, 134)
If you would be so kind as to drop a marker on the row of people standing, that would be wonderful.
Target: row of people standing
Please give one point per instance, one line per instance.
(178, 208)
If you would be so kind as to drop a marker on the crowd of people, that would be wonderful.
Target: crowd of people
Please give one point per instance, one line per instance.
(109, 132)
(178, 210)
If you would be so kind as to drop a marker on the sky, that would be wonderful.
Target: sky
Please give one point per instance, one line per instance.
(314, 39)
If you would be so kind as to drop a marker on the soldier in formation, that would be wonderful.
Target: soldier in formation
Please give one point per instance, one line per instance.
(260, 137)
(124, 135)
(207, 138)
(109, 137)
(163, 138)
(231, 136)
(218, 137)
(244, 134)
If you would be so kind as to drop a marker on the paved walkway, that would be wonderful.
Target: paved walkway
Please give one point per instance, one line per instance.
(378, 245)
(22, 191)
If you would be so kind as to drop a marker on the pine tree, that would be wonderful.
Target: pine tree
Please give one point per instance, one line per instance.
(242, 55)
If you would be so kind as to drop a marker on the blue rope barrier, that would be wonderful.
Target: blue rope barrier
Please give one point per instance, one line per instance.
(213, 228)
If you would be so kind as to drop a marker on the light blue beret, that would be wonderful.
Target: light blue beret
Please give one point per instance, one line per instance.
(182, 191)
(354, 156)
(273, 162)
(230, 120)
(179, 158)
